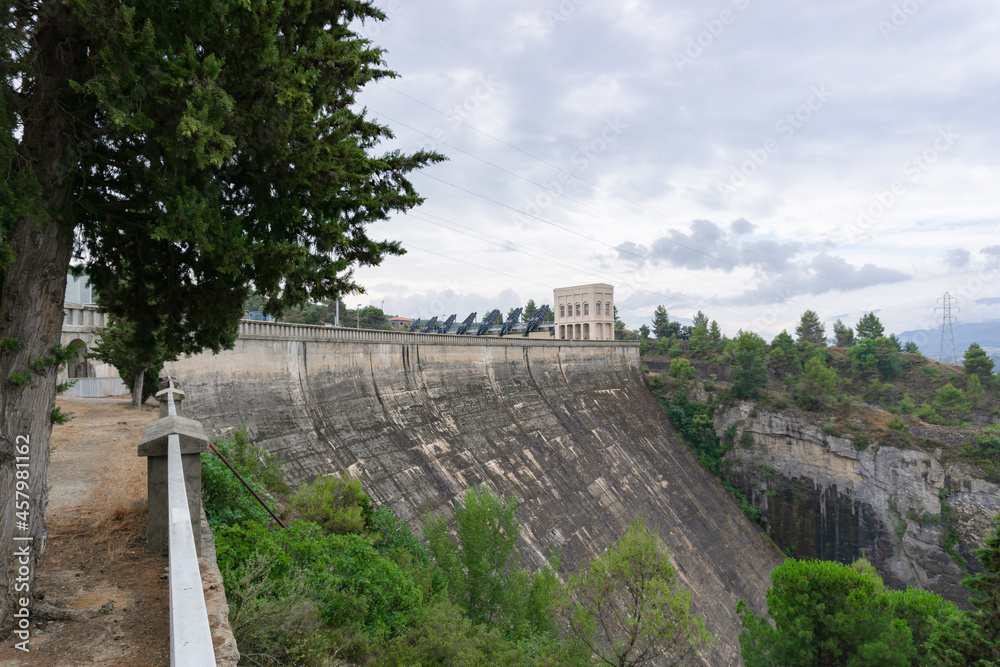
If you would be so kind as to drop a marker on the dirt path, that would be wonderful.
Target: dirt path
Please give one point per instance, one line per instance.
(95, 560)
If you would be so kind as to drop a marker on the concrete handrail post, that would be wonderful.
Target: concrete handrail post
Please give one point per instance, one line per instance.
(153, 446)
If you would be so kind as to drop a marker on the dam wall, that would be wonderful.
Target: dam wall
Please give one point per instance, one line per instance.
(568, 427)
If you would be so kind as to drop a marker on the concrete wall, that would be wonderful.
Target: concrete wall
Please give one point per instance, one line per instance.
(569, 428)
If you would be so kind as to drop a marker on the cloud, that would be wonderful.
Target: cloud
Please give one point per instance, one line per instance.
(708, 246)
(992, 254)
(823, 273)
(740, 226)
(957, 258)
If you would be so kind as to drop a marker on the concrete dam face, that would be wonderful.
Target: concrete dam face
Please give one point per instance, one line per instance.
(570, 429)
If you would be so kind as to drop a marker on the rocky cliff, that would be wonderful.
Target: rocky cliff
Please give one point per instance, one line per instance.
(570, 429)
(916, 518)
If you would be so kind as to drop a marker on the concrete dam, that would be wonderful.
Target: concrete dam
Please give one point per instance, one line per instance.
(568, 427)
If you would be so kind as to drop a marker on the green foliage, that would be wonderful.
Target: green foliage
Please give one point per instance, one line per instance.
(347, 578)
(662, 326)
(974, 391)
(784, 356)
(19, 379)
(869, 327)
(270, 616)
(951, 403)
(810, 329)
(60, 417)
(825, 613)
(897, 424)
(910, 347)
(132, 351)
(440, 634)
(681, 369)
(334, 502)
(985, 589)
(480, 565)
(225, 499)
(749, 373)
(843, 334)
(694, 421)
(977, 363)
(906, 405)
(9, 345)
(818, 387)
(644, 332)
(876, 356)
(700, 344)
(627, 608)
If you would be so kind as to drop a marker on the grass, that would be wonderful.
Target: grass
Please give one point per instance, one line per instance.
(117, 521)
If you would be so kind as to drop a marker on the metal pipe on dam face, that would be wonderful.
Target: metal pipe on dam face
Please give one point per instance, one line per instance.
(568, 427)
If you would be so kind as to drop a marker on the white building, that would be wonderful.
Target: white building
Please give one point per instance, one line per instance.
(585, 312)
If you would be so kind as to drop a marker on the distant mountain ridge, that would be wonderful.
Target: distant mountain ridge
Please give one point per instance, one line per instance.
(987, 334)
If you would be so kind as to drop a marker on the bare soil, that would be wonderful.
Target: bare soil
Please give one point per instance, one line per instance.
(102, 598)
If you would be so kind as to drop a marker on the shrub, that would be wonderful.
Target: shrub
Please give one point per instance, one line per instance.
(897, 424)
(441, 635)
(951, 403)
(336, 503)
(226, 500)
(269, 615)
(682, 370)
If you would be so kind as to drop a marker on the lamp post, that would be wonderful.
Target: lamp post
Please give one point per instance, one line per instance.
(359, 315)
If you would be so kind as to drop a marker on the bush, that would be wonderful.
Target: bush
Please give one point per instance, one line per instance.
(226, 500)
(951, 403)
(336, 503)
(441, 635)
(897, 424)
(682, 370)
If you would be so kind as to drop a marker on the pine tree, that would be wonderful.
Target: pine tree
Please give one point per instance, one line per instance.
(985, 589)
(810, 329)
(749, 371)
(660, 322)
(529, 310)
(843, 334)
(976, 362)
(869, 327)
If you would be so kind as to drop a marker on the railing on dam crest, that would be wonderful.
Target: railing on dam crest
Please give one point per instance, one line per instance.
(289, 331)
(172, 446)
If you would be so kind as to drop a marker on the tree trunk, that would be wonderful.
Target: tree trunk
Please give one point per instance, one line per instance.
(31, 313)
(137, 389)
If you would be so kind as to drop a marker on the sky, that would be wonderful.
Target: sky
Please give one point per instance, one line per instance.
(747, 159)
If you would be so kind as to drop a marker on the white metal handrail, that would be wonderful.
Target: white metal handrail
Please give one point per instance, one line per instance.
(190, 635)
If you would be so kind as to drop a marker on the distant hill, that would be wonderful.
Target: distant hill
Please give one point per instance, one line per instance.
(987, 334)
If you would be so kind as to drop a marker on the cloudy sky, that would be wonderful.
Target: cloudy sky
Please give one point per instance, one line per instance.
(744, 158)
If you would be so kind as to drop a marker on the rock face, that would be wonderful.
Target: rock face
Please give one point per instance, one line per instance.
(821, 497)
(570, 429)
